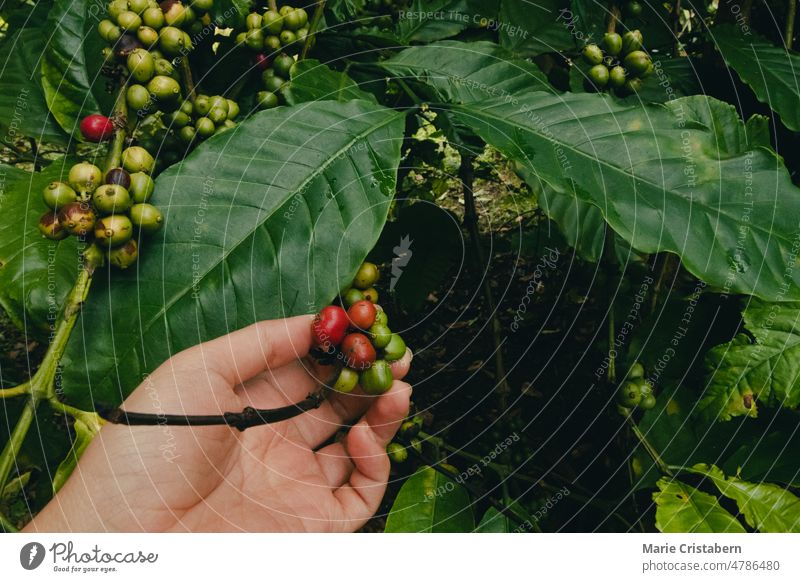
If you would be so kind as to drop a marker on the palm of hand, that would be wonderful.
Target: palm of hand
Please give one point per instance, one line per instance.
(268, 478)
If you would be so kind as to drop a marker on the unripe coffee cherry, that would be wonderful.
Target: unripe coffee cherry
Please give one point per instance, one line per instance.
(129, 21)
(617, 76)
(118, 176)
(357, 351)
(366, 276)
(377, 378)
(141, 65)
(165, 68)
(147, 36)
(302, 15)
(592, 54)
(111, 198)
(253, 20)
(371, 294)
(272, 83)
(174, 12)
(138, 97)
(632, 41)
(272, 43)
(141, 188)
(598, 75)
(629, 395)
(124, 255)
(154, 18)
(282, 64)
(178, 119)
(636, 371)
(187, 134)
(612, 43)
(58, 194)
(395, 349)
(632, 86)
(302, 34)
(233, 109)
(380, 317)
(218, 102)
(272, 22)
(329, 327)
(287, 37)
(380, 334)
(164, 88)
(205, 127)
(266, 99)
(285, 9)
(97, 128)
(217, 115)
(85, 177)
(137, 6)
(172, 41)
(647, 402)
(633, 8)
(292, 20)
(351, 296)
(636, 62)
(138, 159)
(77, 218)
(146, 217)
(254, 39)
(397, 453)
(51, 228)
(109, 31)
(346, 381)
(117, 7)
(203, 5)
(362, 314)
(114, 230)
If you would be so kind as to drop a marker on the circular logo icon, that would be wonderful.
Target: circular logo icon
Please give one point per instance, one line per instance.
(31, 555)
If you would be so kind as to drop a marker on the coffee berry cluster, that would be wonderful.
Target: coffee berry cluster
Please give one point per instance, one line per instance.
(635, 391)
(409, 429)
(618, 63)
(358, 338)
(108, 209)
(275, 37)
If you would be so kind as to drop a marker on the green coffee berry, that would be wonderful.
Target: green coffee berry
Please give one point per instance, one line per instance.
(146, 217)
(377, 378)
(137, 6)
(147, 36)
(137, 159)
(217, 115)
(346, 381)
(282, 64)
(58, 194)
(187, 108)
(117, 7)
(205, 127)
(233, 109)
(254, 39)
(109, 31)
(266, 99)
(202, 105)
(164, 88)
(647, 402)
(138, 97)
(628, 395)
(302, 34)
(272, 43)
(273, 83)
(380, 334)
(114, 230)
(203, 5)
(141, 65)
(395, 349)
(617, 76)
(371, 294)
(632, 41)
(592, 54)
(178, 119)
(598, 75)
(175, 14)
(397, 453)
(85, 177)
(287, 37)
(272, 22)
(187, 134)
(612, 43)
(141, 188)
(380, 317)
(154, 18)
(124, 255)
(632, 86)
(636, 62)
(253, 20)
(129, 21)
(165, 68)
(172, 41)
(111, 198)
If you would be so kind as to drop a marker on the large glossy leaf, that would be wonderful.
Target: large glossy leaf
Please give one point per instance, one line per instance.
(494, 522)
(680, 508)
(766, 507)
(314, 81)
(71, 63)
(23, 109)
(529, 28)
(763, 366)
(664, 184)
(36, 274)
(770, 71)
(266, 220)
(431, 20)
(773, 458)
(461, 72)
(430, 502)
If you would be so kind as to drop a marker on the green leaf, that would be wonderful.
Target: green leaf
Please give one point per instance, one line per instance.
(530, 28)
(267, 220)
(71, 63)
(766, 507)
(772, 457)
(23, 111)
(430, 502)
(461, 72)
(230, 13)
(660, 179)
(345, 10)
(770, 71)
(766, 368)
(586, 19)
(36, 274)
(680, 508)
(494, 522)
(431, 20)
(313, 81)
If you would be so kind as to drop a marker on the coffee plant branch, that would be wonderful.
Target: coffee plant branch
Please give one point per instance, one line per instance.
(312, 29)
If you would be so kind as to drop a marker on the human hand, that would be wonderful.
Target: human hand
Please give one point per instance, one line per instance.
(267, 478)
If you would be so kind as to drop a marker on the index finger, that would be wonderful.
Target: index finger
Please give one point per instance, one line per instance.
(240, 355)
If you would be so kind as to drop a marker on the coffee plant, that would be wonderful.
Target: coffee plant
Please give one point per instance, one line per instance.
(580, 216)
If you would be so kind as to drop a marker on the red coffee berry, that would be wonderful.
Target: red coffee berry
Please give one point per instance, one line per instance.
(97, 128)
(358, 351)
(261, 61)
(330, 326)
(362, 314)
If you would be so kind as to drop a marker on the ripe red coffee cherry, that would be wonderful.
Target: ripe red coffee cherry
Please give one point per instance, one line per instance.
(358, 351)
(97, 128)
(261, 61)
(362, 314)
(329, 326)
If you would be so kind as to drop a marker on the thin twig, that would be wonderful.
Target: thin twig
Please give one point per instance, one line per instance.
(676, 27)
(188, 80)
(662, 466)
(466, 176)
(613, 18)
(791, 12)
(16, 390)
(247, 418)
(312, 29)
(273, 5)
